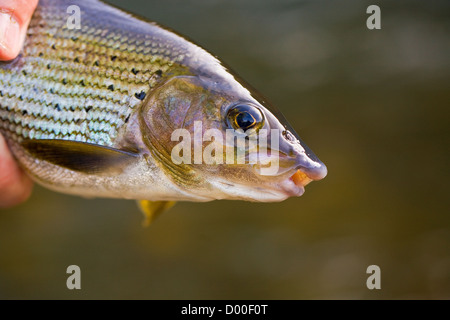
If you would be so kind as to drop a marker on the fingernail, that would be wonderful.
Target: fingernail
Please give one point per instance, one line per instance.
(9, 35)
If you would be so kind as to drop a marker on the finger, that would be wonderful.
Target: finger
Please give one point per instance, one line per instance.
(15, 186)
(15, 15)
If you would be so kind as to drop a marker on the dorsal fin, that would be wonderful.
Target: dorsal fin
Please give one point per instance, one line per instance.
(80, 156)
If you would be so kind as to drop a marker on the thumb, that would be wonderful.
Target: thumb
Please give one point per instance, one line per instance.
(15, 15)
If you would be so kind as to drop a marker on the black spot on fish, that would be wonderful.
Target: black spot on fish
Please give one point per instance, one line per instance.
(127, 118)
(72, 108)
(64, 81)
(41, 54)
(76, 60)
(20, 98)
(57, 107)
(24, 112)
(49, 66)
(134, 71)
(140, 95)
(89, 108)
(24, 72)
(113, 58)
(82, 83)
(1, 93)
(96, 63)
(51, 90)
(74, 38)
(53, 47)
(159, 72)
(111, 87)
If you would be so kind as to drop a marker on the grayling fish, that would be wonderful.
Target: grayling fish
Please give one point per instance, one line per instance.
(91, 112)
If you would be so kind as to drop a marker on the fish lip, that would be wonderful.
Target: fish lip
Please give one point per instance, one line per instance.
(290, 188)
(302, 157)
(316, 171)
(294, 185)
(299, 175)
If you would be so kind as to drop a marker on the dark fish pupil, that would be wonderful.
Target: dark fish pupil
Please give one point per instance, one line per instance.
(244, 120)
(245, 117)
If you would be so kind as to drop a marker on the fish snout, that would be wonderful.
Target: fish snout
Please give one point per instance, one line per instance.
(307, 165)
(315, 170)
(307, 173)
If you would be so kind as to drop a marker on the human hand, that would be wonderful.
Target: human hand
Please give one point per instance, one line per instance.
(15, 185)
(15, 15)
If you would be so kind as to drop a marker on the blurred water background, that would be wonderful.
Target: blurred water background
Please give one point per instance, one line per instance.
(373, 105)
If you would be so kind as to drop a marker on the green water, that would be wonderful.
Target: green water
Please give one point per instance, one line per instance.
(373, 105)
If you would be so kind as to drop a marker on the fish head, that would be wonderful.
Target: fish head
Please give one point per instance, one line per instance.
(219, 140)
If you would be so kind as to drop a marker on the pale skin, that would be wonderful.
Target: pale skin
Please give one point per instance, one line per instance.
(15, 15)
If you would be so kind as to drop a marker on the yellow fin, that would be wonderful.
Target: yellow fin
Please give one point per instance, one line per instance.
(152, 209)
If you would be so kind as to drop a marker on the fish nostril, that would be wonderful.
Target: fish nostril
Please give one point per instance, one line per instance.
(287, 135)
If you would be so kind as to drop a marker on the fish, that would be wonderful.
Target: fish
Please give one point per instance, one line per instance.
(115, 106)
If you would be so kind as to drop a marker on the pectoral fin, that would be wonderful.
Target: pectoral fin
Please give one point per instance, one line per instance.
(152, 209)
(80, 156)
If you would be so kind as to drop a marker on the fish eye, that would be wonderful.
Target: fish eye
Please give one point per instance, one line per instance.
(245, 117)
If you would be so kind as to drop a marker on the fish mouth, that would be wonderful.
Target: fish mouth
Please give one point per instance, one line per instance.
(300, 178)
(294, 186)
(308, 168)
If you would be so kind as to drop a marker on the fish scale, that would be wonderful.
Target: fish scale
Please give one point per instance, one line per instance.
(85, 82)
